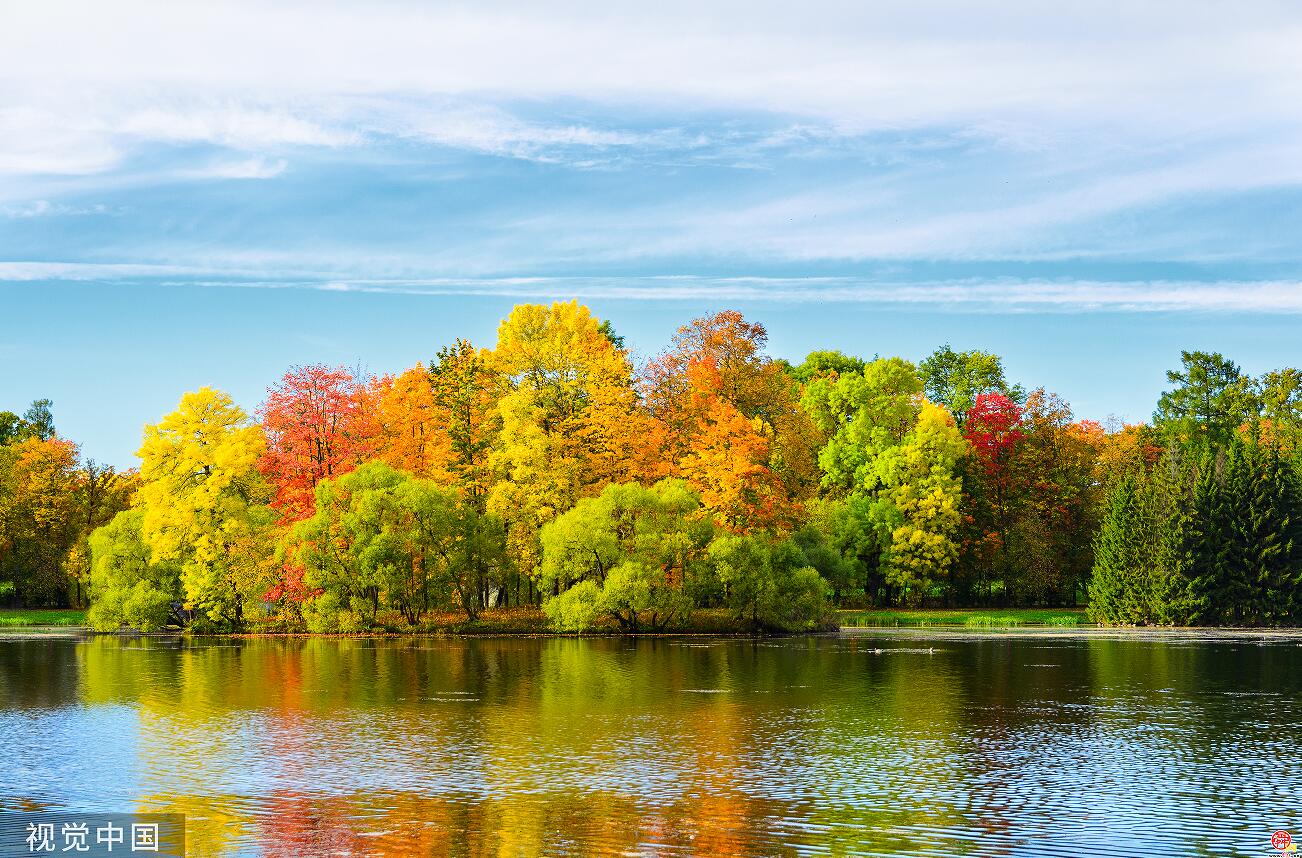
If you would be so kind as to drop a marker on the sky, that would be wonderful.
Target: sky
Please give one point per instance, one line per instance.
(211, 194)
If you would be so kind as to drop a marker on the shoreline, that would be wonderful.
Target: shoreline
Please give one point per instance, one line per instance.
(1084, 632)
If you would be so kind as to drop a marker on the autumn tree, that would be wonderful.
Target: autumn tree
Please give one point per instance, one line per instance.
(410, 434)
(40, 523)
(715, 391)
(994, 490)
(570, 418)
(1050, 550)
(1280, 396)
(206, 505)
(319, 423)
(894, 457)
(729, 460)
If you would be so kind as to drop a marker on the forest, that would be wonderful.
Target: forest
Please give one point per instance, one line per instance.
(555, 471)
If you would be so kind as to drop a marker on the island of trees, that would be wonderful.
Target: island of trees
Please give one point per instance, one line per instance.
(555, 471)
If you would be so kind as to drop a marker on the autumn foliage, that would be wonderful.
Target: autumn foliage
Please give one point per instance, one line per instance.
(320, 422)
(710, 474)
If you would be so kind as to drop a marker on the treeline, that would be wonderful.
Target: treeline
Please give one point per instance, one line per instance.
(555, 470)
(1208, 531)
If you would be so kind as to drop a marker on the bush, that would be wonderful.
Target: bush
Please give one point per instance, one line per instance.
(575, 609)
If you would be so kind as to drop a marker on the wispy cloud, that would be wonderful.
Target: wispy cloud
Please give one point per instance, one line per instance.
(248, 168)
(494, 138)
(1003, 295)
(45, 208)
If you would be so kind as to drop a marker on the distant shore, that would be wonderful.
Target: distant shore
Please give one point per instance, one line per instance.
(530, 622)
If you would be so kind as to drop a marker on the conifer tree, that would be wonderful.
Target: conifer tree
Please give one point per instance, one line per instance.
(1113, 587)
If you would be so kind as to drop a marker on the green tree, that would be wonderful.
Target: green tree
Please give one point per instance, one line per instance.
(1210, 400)
(897, 455)
(12, 428)
(655, 537)
(381, 538)
(637, 596)
(769, 585)
(826, 364)
(955, 379)
(38, 419)
(127, 587)
(1143, 564)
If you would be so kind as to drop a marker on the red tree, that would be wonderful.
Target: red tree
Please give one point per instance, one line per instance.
(319, 422)
(993, 427)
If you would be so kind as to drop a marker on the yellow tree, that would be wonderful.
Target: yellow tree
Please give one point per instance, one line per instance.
(39, 520)
(570, 418)
(922, 488)
(206, 505)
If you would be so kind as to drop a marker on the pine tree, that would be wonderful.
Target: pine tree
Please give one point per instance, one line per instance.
(1168, 524)
(1271, 540)
(1113, 587)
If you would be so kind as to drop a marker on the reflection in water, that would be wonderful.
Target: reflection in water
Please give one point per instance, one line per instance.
(880, 743)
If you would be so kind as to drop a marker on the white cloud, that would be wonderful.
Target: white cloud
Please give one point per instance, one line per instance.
(249, 168)
(237, 127)
(251, 75)
(972, 295)
(902, 61)
(45, 208)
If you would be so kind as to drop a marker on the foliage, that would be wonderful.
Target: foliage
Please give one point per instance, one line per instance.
(728, 419)
(957, 379)
(638, 597)
(627, 553)
(896, 455)
(569, 425)
(1215, 544)
(714, 477)
(381, 538)
(127, 587)
(769, 586)
(205, 505)
(319, 423)
(1211, 399)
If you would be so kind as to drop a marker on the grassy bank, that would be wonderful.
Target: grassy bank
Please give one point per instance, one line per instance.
(965, 617)
(18, 617)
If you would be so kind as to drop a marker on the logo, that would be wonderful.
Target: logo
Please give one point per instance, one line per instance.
(1283, 841)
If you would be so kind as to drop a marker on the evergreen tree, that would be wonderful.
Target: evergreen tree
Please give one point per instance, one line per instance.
(1117, 551)
(1271, 540)
(1167, 527)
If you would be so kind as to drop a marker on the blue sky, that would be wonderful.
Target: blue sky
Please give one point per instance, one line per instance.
(207, 196)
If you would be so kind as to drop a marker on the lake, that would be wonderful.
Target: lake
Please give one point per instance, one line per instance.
(867, 743)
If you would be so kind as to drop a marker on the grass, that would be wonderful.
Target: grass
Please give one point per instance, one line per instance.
(18, 617)
(966, 617)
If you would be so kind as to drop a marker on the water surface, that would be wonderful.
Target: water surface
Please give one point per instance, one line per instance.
(868, 743)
